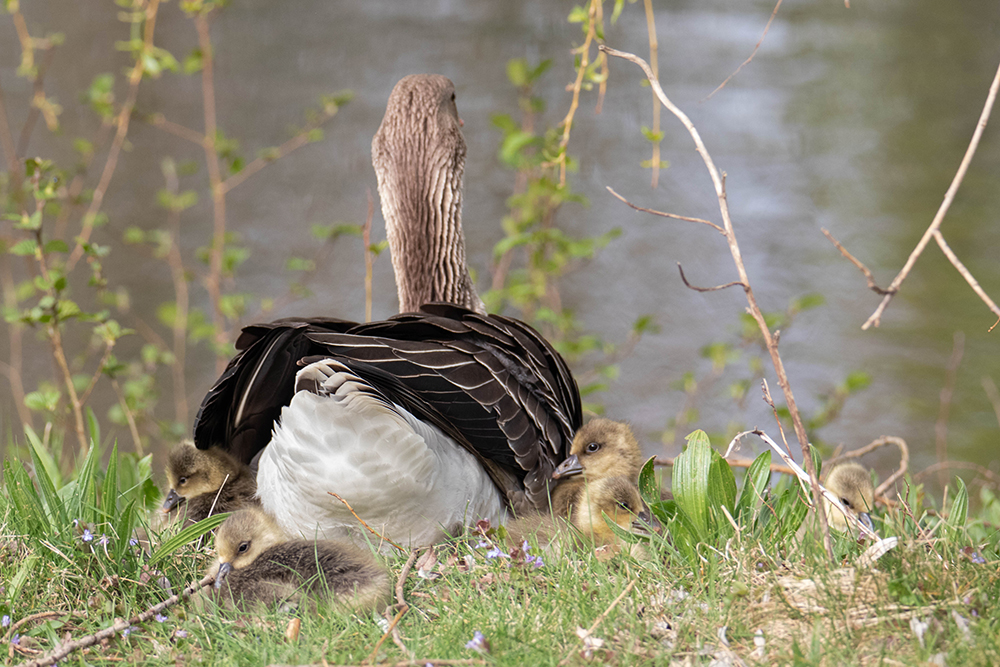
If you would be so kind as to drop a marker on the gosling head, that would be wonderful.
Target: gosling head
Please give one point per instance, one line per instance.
(243, 537)
(852, 484)
(192, 472)
(602, 448)
(619, 499)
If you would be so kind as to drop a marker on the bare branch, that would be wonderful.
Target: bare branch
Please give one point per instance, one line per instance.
(991, 477)
(718, 180)
(973, 283)
(949, 196)
(706, 289)
(371, 530)
(7, 143)
(665, 215)
(752, 54)
(864, 269)
(651, 29)
(904, 459)
(37, 101)
(186, 133)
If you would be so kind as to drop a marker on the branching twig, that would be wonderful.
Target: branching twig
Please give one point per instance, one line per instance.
(949, 196)
(653, 61)
(64, 650)
(989, 475)
(752, 54)
(604, 614)
(854, 260)
(718, 180)
(371, 530)
(401, 607)
(965, 273)
(665, 215)
(584, 53)
(904, 459)
(135, 77)
(707, 289)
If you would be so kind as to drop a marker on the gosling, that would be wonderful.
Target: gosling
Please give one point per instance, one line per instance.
(196, 477)
(258, 565)
(852, 483)
(602, 448)
(617, 497)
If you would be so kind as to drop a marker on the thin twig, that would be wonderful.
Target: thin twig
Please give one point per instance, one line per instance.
(108, 347)
(854, 260)
(176, 129)
(882, 441)
(135, 77)
(129, 417)
(965, 273)
(733, 463)
(706, 289)
(584, 53)
(371, 530)
(40, 616)
(752, 54)
(989, 475)
(7, 143)
(718, 180)
(947, 391)
(37, 102)
(770, 401)
(665, 215)
(64, 650)
(604, 614)
(401, 606)
(651, 29)
(949, 196)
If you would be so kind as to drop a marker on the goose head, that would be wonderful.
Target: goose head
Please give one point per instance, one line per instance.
(618, 498)
(852, 484)
(243, 537)
(602, 448)
(419, 159)
(192, 472)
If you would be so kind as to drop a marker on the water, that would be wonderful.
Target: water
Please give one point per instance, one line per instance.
(853, 120)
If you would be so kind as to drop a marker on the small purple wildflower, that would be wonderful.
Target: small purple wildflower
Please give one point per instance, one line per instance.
(129, 630)
(495, 552)
(5, 621)
(104, 540)
(482, 543)
(180, 634)
(160, 618)
(535, 561)
(977, 558)
(133, 542)
(15, 639)
(478, 643)
(87, 535)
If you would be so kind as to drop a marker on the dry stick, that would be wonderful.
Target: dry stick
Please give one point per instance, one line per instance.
(854, 260)
(182, 301)
(366, 239)
(584, 52)
(706, 289)
(38, 95)
(371, 530)
(734, 249)
(991, 477)
(665, 215)
(734, 463)
(129, 417)
(752, 53)
(7, 143)
(973, 283)
(64, 650)
(604, 614)
(40, 616)
(947, 391)
(135, 77)
(904, 458)
(651, 28)
(949, 196)
(992, 394)
(401, 606)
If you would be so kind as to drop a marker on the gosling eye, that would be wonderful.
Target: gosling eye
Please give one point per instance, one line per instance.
(847, 503)
(453, 97)
(593, 447)
(243, 547)
(182, 481)
(625, 506)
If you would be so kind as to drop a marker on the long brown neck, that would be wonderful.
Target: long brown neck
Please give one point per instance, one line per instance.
(419, 158)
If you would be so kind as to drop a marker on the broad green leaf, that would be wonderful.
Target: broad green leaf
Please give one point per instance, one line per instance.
(754, 484)
(648, 487)
(43, 463)
(690, 480)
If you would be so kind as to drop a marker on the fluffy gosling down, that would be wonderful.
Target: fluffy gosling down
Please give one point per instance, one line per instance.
(258, 565)
(617, 497)
(852, 483)
(601, 449)
(196, 477)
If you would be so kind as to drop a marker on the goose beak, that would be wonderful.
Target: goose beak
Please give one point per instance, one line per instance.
(568, 468)
(646, 523)
(172, 501)
(864, 518)
(224, 570)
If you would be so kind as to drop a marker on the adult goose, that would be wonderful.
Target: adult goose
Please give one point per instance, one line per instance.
(425, 422)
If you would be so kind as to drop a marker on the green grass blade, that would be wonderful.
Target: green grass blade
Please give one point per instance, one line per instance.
(29, 512)
(53, 504)
(624, 535)
(39, 450)
(959, 506)
(109, 487)
(93, 427)
(190, 533)
(721, 493)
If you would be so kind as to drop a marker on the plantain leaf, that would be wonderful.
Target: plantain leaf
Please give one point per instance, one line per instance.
(690, 480)
(754, 485)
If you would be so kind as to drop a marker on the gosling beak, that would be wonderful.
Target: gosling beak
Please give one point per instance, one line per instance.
(172, 501)
(568, 468)
(864, 518)
(224, 570)
(646, 523)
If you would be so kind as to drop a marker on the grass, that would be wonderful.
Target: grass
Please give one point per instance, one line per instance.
(755, 595)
